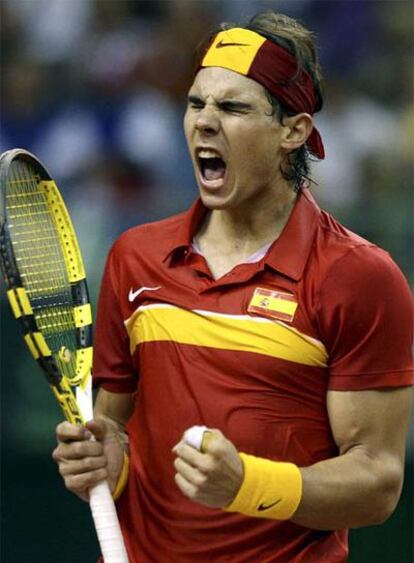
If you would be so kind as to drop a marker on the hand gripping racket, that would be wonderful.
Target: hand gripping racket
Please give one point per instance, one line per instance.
(46, 287)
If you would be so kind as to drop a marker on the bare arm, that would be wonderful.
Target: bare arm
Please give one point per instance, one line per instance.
(83, 463)
(114, 407)
(360, 487)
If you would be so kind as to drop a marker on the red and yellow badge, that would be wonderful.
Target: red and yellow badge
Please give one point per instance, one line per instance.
(275, 304)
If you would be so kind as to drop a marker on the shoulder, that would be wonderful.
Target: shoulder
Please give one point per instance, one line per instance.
(357, 261)
(154, 237)
(362, 282)
(346, 257)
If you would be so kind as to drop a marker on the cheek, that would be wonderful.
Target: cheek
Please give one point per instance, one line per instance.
(256, 154)
(187, 124)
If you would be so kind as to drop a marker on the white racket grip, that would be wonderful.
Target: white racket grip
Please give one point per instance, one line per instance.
(100, 499)
(107, 524)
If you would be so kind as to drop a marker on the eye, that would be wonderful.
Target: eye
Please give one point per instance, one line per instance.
(234, 107)
(195, 103)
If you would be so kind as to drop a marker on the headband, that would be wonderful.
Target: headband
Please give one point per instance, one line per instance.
(254, 56)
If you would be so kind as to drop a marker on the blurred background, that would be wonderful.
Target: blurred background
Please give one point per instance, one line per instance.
(96, 89)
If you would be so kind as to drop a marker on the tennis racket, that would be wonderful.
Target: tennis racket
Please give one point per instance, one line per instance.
(46, 287)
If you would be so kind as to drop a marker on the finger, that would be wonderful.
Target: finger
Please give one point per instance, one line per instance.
(77, 450)
(206, 441)
(98, 428)
(200, 437)
(188, 489)
(81, 483)
(67, 432)
(189, 454)
(190, 473)
(81, 466)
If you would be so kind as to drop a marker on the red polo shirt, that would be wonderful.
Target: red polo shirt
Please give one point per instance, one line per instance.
(253, 354)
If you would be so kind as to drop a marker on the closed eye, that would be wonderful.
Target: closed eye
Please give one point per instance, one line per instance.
(234, 107)
(228, 106)
(195, 102)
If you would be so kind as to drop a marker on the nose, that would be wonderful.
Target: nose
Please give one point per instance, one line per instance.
(208, 121)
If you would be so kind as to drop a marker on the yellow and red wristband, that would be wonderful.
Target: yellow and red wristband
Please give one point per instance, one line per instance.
(123, 478)
(270, 489)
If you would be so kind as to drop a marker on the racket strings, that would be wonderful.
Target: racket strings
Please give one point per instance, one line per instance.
(41, 264)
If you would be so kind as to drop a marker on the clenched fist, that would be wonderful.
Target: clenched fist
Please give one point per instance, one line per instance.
(212, 477)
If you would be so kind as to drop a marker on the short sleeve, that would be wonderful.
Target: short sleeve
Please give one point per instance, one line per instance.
(365, 312)
(112, 362)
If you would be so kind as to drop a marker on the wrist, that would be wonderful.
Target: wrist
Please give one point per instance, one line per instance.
(270, 489)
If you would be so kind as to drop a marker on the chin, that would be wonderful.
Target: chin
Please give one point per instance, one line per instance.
(216, 201)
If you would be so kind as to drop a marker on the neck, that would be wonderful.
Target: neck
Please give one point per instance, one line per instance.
(250, 226)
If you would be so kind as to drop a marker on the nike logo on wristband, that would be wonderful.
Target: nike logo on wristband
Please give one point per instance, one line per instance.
(222, 44)
(134, 294)
(264, 506)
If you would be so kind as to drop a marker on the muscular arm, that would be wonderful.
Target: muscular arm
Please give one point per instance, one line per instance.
(362, 485)
(359, 487)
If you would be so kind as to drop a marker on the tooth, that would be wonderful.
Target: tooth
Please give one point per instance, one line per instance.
(208, 154)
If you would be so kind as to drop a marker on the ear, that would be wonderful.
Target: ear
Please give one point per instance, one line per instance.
(296, 130)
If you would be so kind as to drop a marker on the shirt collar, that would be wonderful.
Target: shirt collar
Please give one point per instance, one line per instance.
(288, 254)
(290, 251)
(191, 221)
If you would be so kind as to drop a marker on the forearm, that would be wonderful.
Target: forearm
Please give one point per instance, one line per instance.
(115, 409)
(352, 490)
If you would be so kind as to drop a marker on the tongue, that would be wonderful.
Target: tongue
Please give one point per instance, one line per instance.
(214, 169)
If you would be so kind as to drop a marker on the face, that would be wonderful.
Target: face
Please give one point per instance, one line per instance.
(233, 139)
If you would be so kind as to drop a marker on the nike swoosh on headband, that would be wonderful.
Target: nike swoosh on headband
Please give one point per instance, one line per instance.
(222, 44)
(264, 506)
(134, 294)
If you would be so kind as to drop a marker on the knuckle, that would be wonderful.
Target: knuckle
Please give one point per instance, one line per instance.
(87, 464)
(208, 466)
(78, 449)
(218, 448)
(202, 479)
(92, 463)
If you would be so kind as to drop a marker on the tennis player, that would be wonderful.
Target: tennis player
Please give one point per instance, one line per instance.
(256, 314)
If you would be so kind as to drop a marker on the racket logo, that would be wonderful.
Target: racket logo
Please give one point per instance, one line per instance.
(134, 294)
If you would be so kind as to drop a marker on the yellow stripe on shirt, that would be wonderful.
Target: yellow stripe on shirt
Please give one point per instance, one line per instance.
(159, 322)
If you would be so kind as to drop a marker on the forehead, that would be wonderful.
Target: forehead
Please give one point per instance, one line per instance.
(223, 83)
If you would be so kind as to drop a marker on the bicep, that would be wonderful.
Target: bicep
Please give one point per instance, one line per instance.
(116, 406)
(374, 420)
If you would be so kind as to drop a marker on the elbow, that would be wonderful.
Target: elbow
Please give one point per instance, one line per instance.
(387, 494)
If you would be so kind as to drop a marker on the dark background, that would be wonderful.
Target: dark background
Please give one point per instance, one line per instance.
(96, 89)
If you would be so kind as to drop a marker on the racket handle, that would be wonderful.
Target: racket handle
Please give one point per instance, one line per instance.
(107, 524)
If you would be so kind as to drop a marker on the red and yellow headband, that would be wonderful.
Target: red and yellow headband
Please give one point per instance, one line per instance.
(248, 53)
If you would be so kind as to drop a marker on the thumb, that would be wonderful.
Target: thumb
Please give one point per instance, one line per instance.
(98, 427)
(201, 437)
(210, 438)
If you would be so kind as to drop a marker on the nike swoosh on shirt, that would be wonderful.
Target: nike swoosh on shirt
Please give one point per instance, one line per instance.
(264, 506)
(221, 44)
(134, 294)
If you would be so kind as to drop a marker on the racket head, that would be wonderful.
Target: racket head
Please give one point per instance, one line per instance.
(44, 275)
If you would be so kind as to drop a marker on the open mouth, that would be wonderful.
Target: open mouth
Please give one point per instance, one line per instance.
(212, 168)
